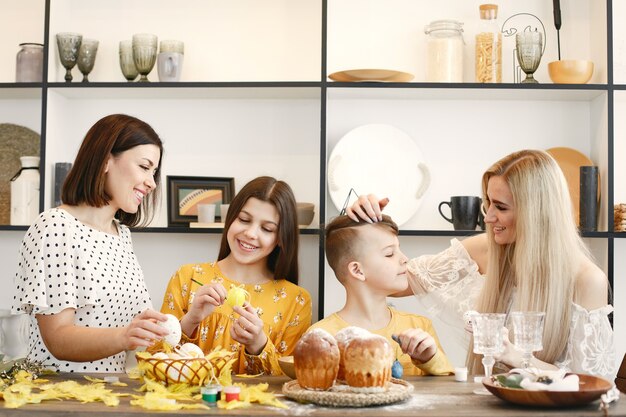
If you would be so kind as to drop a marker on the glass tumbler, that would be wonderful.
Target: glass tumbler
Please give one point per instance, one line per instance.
(529, 47)
(144, 53)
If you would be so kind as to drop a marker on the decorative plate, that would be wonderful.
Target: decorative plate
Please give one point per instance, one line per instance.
(399, 390)
(590, 389)
(383, 160)
(15, 141)
(371, 75)
(570, 160)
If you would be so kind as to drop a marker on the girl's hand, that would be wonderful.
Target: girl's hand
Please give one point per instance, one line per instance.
(143, 330)
(368, 208)
(248, 329)
(418, 344)
(205, 300)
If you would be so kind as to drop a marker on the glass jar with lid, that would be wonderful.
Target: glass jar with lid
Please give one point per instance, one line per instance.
(445, 51)
(489, 46)
(29, 63)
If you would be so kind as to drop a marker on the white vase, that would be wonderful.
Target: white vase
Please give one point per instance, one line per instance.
(25, 192)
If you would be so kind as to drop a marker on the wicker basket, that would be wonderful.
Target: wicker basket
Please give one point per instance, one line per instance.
(192, 371)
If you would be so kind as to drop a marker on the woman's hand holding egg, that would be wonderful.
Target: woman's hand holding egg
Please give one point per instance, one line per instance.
(143, 330)
(247, 329)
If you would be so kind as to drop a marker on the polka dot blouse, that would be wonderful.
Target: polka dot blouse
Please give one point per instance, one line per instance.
(66, 264)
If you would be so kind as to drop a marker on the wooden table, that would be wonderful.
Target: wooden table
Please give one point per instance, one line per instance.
(433, 396)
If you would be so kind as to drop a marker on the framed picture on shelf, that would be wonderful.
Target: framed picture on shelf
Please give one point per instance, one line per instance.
(184, 194)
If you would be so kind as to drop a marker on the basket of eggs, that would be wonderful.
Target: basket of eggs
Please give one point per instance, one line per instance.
(184, 364)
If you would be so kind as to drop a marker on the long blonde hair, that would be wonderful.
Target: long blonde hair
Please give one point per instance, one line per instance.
(542, 262)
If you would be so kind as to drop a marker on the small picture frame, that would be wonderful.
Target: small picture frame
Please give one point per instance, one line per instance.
(185, 193)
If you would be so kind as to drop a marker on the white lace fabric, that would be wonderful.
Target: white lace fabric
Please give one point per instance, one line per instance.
(447, 284)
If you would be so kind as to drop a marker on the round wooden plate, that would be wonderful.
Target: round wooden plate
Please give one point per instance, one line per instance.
(371, 75)
(590, 389)
(570, 160)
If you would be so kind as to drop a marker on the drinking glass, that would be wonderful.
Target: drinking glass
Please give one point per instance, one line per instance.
(127, 64)
(144, 53)
(488, 340)
(87, 57)
(529, 46)
(68, 44)
(527, 333)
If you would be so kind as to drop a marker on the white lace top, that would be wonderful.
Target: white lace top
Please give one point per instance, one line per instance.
(450, 283)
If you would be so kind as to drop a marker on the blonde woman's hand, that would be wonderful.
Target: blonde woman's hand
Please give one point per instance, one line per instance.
(206, 298)
(143, 330)
(247, 329)
(368, 208)
(418, 344)
(510, 355)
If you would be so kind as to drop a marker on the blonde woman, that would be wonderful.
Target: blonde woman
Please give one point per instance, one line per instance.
(530, 259)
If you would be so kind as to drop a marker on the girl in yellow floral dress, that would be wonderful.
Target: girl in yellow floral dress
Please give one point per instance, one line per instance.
(258, 252)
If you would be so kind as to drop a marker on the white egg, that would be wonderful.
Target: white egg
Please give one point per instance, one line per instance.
(160, 355)
(191, 350)
(173, 325)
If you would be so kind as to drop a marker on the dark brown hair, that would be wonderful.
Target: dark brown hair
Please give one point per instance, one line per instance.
(283, 261)
(110, 136)
(342, 239)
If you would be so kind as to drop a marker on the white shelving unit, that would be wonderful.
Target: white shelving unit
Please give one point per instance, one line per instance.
(254, 100)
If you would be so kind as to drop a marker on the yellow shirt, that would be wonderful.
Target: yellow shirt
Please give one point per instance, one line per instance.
(400, 321)
(285, 309)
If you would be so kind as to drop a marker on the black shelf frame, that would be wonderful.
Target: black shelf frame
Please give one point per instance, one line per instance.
(323, 85)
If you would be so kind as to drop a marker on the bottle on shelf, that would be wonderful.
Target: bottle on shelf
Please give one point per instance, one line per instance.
(489, 46)
(445, 51)
(25, 192)
(29, 63)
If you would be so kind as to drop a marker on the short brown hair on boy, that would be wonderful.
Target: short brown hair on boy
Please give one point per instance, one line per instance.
(343, 240)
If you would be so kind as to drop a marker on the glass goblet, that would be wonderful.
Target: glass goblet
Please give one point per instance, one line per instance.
(527, 333)
(68, 44)
(127, 64)
(87, 57)
(144, 53)
(488, 340)
(529, 47)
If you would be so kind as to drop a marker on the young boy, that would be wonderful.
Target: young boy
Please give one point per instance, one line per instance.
(368, 262)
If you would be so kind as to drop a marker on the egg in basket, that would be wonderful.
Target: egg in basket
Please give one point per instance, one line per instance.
(183, 364)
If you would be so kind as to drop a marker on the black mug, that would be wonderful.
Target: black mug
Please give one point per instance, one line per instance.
(465, 211)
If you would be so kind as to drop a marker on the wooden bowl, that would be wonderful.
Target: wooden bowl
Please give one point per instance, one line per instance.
(286, 365)
(305, 212)
(590, 389)
(570, 71)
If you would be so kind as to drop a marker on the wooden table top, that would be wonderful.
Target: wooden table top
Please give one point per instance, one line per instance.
(433, 396)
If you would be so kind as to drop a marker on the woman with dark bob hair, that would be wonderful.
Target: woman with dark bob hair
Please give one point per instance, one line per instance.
(258, 253)
(78, 278)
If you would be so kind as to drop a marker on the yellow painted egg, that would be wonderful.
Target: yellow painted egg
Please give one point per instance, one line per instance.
(173, 325)
(160, 355)
(236, 296)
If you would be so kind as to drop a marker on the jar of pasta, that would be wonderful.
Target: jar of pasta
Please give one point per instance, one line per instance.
(489, 46)
(445, 51)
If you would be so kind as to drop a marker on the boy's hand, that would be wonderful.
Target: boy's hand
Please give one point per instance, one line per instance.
(418, 344)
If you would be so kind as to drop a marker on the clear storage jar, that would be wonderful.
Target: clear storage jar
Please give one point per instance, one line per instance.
(29, 63)
(489, 46)
(445, 51)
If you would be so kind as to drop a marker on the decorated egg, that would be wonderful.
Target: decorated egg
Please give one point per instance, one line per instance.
(173, 325)
(236, 296)
(396, 369)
